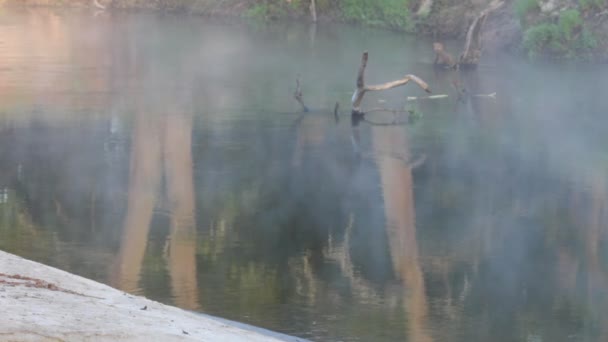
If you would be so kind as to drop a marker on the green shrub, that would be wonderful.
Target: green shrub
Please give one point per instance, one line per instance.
(569, 20)
(523, 7)
(271, 9)
(586, 5)
(568, 38)
(539, 37)
(587, 40)
(388, 13)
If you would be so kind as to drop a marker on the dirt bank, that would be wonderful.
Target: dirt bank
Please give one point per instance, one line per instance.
(41, 303)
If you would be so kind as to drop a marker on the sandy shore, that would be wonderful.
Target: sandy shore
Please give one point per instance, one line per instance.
(41, 303)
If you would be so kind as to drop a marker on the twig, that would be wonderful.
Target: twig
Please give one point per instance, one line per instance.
(491, 95)
(443, 96)
(417, 162)
(298, 95)
(432, 97)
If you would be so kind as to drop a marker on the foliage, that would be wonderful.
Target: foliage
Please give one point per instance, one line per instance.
(389, 13)
(265, 10)
(523, 7)
(569, 20)
(586, 5)
(540, 37)
(567, 38)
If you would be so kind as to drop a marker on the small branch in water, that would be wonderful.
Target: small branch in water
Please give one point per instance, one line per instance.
(298, 95)
(432, 97)
(444, 96)
(417, 162)
(491, 95)
(362, 88)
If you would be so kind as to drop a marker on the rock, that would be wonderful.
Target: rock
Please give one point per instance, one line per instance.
(77, 309)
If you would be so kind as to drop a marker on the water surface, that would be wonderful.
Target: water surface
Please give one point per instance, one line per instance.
(165, 156)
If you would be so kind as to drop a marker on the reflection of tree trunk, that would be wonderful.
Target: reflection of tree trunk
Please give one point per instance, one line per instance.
(180, 187)
(398, 197)
(144, 182)
(597, 280)
(311, 132)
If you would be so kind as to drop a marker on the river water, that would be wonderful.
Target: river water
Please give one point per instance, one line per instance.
(165, 156)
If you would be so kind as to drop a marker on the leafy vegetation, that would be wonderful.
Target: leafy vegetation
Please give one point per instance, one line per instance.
(273, 9)
(567, 38)
(389, 13)
(384, 13)
(560, 29)
(586, 5)
(523, 7)
(569, 20)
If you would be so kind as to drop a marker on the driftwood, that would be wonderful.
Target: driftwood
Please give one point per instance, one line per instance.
(362, 88)
(298, 95)
(472, 47)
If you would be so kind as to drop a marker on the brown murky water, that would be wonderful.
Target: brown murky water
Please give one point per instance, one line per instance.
(164, 155)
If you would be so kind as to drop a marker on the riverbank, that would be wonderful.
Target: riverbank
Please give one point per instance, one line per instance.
(41, 303)
(539, 29)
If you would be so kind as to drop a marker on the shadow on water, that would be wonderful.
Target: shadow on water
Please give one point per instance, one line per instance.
(164, 155)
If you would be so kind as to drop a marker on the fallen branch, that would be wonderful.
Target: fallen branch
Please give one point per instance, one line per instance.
(362, 88)
(298, 95)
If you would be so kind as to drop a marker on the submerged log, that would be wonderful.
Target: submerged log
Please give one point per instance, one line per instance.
(472, 47)
(362, 88)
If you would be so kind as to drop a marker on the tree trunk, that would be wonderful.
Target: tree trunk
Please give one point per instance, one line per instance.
(313, 10)
(472, 47)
